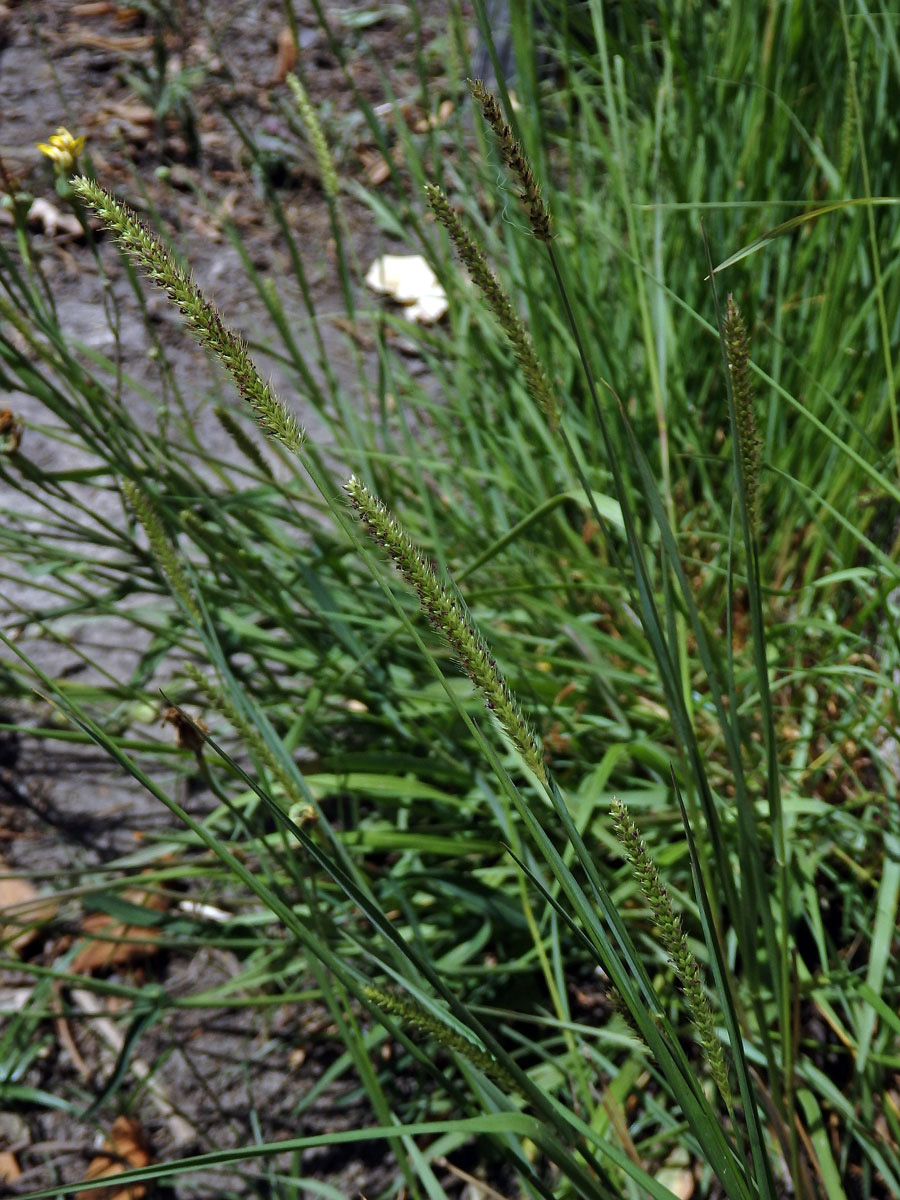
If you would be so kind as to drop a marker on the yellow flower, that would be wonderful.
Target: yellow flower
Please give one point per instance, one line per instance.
(63, 149)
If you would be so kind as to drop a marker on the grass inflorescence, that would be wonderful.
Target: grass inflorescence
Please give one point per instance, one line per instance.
(513, 155)
(447, 614)
(160, 266)
(510, 322)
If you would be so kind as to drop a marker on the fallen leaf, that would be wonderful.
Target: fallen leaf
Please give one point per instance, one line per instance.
(93, 8)
(116, 943)
(126, 44)
(133, 111)
(49, 217)
(296, 1058)
(677, 1175)
(375, 165)
(352, 330)
(25, 910)
(9, 1167)
(434, 120)
(287, 55)
(408, 279)
(105, 8)
(127, 1150)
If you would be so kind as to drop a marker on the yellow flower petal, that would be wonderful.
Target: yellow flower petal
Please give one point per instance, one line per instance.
(62, 148)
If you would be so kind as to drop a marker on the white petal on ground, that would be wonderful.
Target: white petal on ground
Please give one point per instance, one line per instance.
(408, 279)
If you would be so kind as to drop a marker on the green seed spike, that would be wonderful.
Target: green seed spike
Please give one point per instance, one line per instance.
(514, 157)
(482, 276)
(448, 615)
(202, 318)
(310, 118)
(143, 508)
(668, 925)
(247, 447)
(416, 1017)
(749, 446)
(221, 702)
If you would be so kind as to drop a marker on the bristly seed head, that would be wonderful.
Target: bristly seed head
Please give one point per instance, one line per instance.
(668, 923)
(202, 318)
(449, 616)
(482, 276)
(512, 154)
(412, 1014)
(145, 510)
(310, 118)
(737, 344)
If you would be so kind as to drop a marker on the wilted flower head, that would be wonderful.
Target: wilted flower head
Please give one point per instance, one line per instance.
(63, 149)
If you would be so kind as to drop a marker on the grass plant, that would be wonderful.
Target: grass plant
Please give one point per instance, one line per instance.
(657, 536)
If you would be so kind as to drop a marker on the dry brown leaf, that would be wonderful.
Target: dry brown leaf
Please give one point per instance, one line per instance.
(433, 120)
(46, 215)
(677, 1175)
(132, 111)
(127, 1150)
(378, 172)
(105, 8)
(126, 44)
(376, 166)
(93, 8)
(9, 1167)
(352, 330)
(118, 944)
(25, 910)
(287, 55)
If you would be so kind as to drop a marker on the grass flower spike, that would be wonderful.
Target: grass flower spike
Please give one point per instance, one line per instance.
(202, 318)
(414, 1016)
(63, 150)
(310, 118)
(143, 508)
(669, 926)
(480, 273)
(512, 154)
(448, 615)
(749, 447)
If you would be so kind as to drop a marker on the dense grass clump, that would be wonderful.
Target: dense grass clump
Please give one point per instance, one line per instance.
(634, 930)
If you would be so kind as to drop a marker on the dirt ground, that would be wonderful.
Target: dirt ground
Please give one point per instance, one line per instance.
(64, 810)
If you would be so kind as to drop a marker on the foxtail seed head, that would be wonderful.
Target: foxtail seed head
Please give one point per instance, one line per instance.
(145, 511)
(414, 1016)
(202, 318)
(512, 154)
(448, 615)
(668, 924)
(737, 344)
(219, 699)
(482, 276)
(316, 134)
